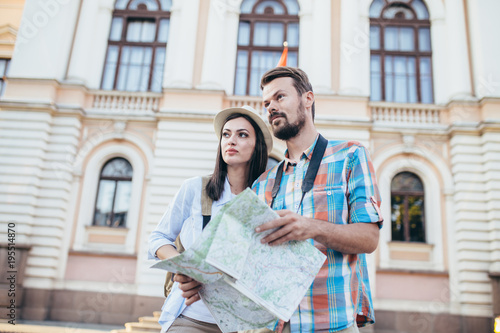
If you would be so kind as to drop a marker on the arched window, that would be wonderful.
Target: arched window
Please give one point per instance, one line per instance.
(137, 45)
(113, 194)
(407, 208)
(401, 52)
(264, 26)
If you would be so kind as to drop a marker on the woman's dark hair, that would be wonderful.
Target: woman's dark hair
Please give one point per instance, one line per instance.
(257, 163)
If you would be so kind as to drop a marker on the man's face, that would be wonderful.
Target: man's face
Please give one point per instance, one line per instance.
(286, 112)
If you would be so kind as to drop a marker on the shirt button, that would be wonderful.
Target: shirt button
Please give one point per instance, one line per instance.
(329, 192)
(296, 184)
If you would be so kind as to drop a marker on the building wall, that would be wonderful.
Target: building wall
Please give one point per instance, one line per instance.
(57, 130)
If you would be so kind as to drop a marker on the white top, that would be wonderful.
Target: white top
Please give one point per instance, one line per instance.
(183, 217)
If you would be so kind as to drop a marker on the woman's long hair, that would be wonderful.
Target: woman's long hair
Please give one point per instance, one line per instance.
(257, 163)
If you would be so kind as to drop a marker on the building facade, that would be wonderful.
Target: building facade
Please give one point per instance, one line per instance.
(107, 107)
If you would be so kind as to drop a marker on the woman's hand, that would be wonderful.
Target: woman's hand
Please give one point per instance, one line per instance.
(189, 288)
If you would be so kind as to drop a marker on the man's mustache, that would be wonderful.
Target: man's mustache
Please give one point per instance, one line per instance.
(276, 113)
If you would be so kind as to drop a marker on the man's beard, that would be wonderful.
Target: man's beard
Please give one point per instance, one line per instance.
(289, 131)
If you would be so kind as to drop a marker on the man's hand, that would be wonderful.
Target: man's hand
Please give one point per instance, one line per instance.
(349, 238)
(291, 226)
(189, 288)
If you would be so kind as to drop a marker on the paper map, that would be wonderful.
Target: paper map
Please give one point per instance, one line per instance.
(247, 285)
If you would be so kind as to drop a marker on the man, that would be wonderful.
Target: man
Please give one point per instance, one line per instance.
(340, 215)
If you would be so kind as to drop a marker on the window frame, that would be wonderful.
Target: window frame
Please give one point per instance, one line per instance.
(405, 194)
(253, 18)
(116, 180)
(128, 15)
(415, 24)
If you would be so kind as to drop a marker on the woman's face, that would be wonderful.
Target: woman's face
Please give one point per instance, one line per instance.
(237, 141)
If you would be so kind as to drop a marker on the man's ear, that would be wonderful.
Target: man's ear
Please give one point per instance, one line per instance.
(308, 99)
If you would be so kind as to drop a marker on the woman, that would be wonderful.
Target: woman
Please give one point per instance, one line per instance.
(244, 144)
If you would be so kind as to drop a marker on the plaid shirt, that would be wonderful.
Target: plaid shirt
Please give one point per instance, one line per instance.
(345, 191)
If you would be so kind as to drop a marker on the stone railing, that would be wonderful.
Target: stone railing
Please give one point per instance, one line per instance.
(123, 102)
(406, 114)
(253, 101)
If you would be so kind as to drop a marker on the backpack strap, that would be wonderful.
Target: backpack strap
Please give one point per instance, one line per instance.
(206, 201)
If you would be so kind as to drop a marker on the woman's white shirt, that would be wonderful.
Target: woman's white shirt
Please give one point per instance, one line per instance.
(183, 216)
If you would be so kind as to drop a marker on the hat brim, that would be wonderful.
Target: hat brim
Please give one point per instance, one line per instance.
(221, 117)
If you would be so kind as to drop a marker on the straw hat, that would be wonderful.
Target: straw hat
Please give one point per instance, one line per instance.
(221, 117)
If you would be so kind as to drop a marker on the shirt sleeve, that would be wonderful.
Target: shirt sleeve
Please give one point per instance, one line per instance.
(170, 224)
(363, 194)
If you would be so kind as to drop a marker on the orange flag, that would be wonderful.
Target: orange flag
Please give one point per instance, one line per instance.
(284, 55)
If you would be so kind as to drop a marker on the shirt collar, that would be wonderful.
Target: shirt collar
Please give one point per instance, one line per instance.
(306, 154)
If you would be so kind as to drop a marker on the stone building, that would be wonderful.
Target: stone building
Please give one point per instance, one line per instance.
(107, 107)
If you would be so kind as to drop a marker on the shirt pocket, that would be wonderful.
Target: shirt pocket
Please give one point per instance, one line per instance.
(328, 204)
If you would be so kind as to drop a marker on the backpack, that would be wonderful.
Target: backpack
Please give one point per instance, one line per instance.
(206, 211)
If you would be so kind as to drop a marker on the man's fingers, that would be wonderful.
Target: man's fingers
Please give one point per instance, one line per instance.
(279, 222)
(272, 238)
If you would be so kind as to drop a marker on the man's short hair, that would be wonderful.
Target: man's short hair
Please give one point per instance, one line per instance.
(300, 80)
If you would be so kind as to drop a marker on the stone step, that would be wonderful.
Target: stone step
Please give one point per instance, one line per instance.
(148, 319)
(134, 331)
(146, 327)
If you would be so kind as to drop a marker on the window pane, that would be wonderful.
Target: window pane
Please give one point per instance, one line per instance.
(122, 203)
(426, 81)
(375, 82)
(141, 31)
(134, 31)
(374, 37)
(421, 9)
(416, 218)
(116, 29)
(292, 7)
(3, 67)
(397, 215)
(260, 34)
(150, 4)
(104, 203)
(397, 12)
(157, 79)
(240, 82)
(261, 62)
(424, 39)
(406, 182)
(376, 8)
(391, 39)
(117, 168)
(277, 8)
(406, 40)
(148, 32)
(292, 59)
(244, 33)
(389, 79)
(110, 68)
(293, 35)
(276, 34)
(163, 30)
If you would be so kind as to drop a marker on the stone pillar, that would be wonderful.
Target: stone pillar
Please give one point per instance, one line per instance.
(90, 45)
(315, 53)
(220, 47)
(181, 44)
